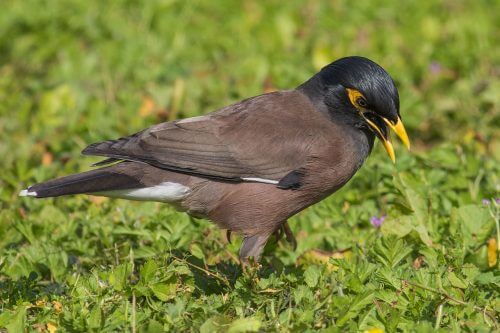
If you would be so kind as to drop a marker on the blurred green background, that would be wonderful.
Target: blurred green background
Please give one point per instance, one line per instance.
(76, 72)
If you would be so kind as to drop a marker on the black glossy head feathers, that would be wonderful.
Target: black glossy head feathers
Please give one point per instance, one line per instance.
(368, 78)
(363, 75)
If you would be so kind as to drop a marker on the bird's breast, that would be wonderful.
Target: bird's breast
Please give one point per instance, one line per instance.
(333, 165)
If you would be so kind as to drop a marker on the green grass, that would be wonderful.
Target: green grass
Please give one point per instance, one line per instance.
(75, 72)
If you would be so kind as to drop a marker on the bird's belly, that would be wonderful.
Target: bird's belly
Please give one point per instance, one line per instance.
(250, 207)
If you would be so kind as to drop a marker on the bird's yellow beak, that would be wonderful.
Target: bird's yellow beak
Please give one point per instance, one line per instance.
(400, 131)
(398, 128)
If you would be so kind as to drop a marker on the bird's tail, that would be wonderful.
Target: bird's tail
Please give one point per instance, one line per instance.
(104, 179)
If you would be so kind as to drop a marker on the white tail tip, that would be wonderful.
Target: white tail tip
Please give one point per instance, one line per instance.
(26, 193)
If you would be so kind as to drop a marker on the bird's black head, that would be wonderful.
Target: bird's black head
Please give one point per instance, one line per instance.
(364, 93)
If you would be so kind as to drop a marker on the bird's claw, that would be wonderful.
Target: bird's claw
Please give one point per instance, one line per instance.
(278, 233)
(285, 229)
(289, 236)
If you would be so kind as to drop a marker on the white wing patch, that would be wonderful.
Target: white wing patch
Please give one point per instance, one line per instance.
(261, 180)
(192, 119)
(164, 192)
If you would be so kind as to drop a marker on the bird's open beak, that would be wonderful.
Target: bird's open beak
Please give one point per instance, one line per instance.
(378, 124)
(400, 131)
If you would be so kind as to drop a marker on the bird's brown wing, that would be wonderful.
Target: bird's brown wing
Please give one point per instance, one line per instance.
(262, 137)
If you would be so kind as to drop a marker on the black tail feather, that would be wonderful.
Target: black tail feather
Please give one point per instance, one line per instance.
(104, 179)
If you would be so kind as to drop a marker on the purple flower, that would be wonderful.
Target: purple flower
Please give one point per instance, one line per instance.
(377, 221)
(497, 201)
(485, 202)
(435, 67)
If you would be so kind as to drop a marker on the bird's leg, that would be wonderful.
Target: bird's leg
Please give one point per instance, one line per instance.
(252, 247)
(284, 228)
(278, 233)
(228, 236)
(289, 235)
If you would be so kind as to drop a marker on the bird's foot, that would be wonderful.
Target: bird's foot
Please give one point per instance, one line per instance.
(250, 266)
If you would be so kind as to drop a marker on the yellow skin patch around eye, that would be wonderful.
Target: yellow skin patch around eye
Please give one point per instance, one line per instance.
(353, 97)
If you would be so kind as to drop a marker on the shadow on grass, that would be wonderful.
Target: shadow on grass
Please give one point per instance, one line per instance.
(222, 276)
(26, 289)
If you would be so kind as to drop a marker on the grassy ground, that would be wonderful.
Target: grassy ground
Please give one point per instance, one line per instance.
(75, 72)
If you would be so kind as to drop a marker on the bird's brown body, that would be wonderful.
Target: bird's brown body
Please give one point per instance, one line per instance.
(253, 208)
(247, 167)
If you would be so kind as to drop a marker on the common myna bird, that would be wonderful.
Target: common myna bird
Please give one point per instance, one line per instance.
(250, 166)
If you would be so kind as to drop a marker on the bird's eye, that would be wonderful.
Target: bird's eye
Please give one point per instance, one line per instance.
(356, 98)
(361, 102)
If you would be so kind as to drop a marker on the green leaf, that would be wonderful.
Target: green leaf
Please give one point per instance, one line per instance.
(455, 281)
(241, 325)
(357, 304)
(475, 222)
(215, 324)
(400, 226)
(119, 276)
(154, 327)
(404, 225)
(95, 317)
(197, 251)
(470, 271)
(164, 291)
(15, 322)
(57, 263)
(302, 293)
(488, 278)
(311, 276)
(479, 257)
(148, 271)
(412, 199)
(182, 269)
(390, 251)
(431, 256)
